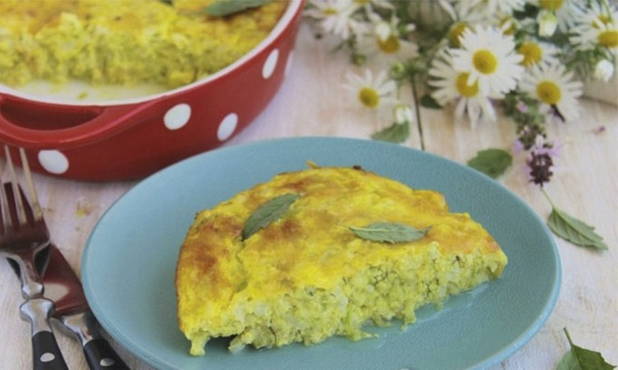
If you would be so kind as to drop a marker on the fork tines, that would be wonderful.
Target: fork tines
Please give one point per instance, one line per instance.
(14, 183)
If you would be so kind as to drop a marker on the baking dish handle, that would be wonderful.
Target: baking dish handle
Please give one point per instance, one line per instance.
(42, 125)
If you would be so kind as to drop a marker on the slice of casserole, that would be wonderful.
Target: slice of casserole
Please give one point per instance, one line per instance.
(170, 43)
(307, 276)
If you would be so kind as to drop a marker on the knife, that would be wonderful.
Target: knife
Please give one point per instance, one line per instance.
(71, 308)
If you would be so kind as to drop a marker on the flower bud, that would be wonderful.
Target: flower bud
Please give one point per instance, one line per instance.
(547, 23)
(403, 114)
(604, 70)
(398, 71)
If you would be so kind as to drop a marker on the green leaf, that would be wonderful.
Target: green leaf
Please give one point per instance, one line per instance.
(573, 230)
(579, 358)
(388, 232)
(492, 162)
(428, 101)
(267, 213)
(395, 133)
(222, 8)
(568, 362)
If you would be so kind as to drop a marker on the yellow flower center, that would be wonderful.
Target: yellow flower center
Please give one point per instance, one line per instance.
(369, 97)
(463, 88)
(329, 11)
(511, 22)
(552, 5)
(532, 53)
(549, 92)
(390, 45)
(603, 19)
(485, 61)
(455, 33)
(608, 38)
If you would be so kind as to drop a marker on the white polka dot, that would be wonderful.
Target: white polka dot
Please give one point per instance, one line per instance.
(106, 362)
(177, 116)
(47, 357)
(53, 161)
(227, 126)
(270, 64)
(288, 65)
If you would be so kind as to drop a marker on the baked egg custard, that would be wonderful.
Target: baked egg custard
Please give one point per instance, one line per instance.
(306, 276)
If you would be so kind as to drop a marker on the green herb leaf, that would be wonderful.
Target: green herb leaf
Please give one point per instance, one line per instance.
(268, 213)
(492, 162)
(395, 133)
(388, 232)
(222, 8)
(573, 230)
(579, 358)
(428, 101)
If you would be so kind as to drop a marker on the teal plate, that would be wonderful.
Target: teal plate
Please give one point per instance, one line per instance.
(128, 266)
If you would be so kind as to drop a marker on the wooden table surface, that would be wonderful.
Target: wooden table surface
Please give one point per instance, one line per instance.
(311, 103)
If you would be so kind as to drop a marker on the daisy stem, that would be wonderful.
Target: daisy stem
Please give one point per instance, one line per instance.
(417, 109)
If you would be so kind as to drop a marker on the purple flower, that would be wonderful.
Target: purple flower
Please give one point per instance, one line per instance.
(541, 162)
(522, 107)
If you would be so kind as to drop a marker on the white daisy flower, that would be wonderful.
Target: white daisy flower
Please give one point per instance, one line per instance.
(452, 86)
(369, 5)
(493, 7)
(464, 16)
(335, 16)
(490, 58)
(565, 11)
(598, 27)
(536, 52)
(371, 92)
(555, 88)
(508, 24)
(596, 15)
(385, 43)
(460, 10)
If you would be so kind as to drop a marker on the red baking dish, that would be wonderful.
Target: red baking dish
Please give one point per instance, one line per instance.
(133, 137)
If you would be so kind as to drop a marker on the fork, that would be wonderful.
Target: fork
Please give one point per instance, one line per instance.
(23, 236)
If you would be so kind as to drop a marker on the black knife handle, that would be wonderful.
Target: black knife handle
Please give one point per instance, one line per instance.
(45, 352)
(101, 356)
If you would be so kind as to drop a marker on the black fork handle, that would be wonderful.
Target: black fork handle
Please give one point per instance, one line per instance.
(46, 354)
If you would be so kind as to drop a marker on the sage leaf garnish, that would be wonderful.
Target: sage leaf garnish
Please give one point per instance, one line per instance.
(388, 232)
(492, 162)
(267, 213)
(222, 8)
(573, 230)
(579, 358)
(395, 133)
(428, 101)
